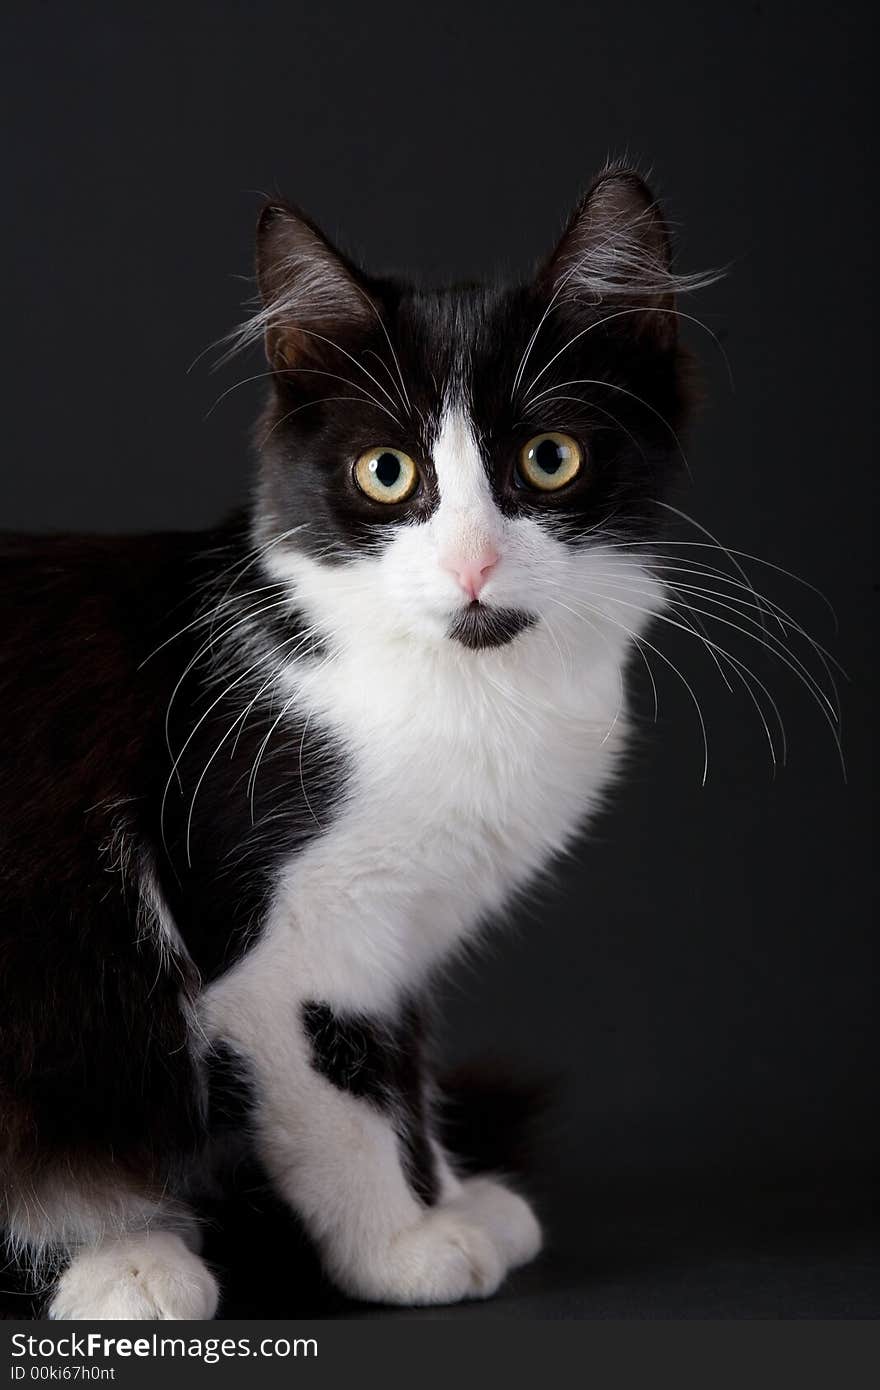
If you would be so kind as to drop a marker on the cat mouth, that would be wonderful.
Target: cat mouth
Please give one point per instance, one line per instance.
(478, 627)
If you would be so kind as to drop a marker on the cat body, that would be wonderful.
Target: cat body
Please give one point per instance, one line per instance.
(262, 784)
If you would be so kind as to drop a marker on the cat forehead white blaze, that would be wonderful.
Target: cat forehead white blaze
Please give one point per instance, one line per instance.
(467, 524)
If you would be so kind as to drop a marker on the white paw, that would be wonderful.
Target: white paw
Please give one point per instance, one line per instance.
(142, 1277)
(506, 1218)
(445, 1258)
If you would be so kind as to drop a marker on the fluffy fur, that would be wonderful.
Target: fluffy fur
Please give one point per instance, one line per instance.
(262, 784)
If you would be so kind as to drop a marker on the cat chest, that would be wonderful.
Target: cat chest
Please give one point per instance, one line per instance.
(449, 809)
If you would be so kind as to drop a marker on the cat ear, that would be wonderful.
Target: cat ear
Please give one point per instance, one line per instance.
(310, 291)
(616, 251)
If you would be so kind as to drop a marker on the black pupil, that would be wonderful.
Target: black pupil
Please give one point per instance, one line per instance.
(388, 469)
(549, 456)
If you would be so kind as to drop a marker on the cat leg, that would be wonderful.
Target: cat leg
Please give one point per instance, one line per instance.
(337, 1159)
(121, 1256)
(340, 1125)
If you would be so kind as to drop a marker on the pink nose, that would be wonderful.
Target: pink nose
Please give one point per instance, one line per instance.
(472, 574)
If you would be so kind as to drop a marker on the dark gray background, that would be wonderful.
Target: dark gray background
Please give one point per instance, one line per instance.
(701, 972)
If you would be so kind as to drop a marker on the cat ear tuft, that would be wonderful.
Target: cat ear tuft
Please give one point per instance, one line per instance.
(310, 292)
(616, 250)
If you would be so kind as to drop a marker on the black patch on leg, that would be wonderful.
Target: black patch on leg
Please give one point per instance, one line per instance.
(350, 1050)
(383, 1063)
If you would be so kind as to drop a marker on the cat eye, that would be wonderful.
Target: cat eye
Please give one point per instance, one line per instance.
(549, 461)
(386, 475)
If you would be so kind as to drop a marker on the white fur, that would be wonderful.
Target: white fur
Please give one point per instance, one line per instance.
(467, 522)
(470, 771)
(136, 1278)
(57, 1213)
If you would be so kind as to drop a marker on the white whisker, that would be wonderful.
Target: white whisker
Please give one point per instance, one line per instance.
(322, 400)
(286, 707)
(639, 639)
(621, 313)
(213, 705)
(612, 386)
(299, 638)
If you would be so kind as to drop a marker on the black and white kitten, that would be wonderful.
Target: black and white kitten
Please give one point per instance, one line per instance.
(260, 784)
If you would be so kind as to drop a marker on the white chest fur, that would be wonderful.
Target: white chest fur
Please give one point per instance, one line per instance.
(469, 770)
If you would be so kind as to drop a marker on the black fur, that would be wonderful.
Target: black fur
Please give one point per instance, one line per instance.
(480, 627)
(231, 1092)
(381, 1061)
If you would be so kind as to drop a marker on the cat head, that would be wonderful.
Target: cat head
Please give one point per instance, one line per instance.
(452, 465)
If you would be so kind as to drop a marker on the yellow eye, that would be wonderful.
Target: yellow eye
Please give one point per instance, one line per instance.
(549, 461)
(386, 475)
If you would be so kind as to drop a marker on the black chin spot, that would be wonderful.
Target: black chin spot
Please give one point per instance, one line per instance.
(479, 627)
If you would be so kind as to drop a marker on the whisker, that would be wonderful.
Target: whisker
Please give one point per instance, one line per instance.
(208, 617)
(642, 275)
(250, 558)
(302, 779)
(780, 652)
(236, 386)
(254, 328)
(768, 640)
(786, 623)
(371, 352)
(206, 647)
(555, 642)
(621, 313)
(636, 638)
(339, 348)
(607, 413)
(704, 530)
(381, 322)
(717, 654)
(322, 401)
(213, 705)
(291, 371)
(256, 553)
(743, 555)
(301, 639)
(743, 674)
(623, 390)
(252, 778)
(617, 712)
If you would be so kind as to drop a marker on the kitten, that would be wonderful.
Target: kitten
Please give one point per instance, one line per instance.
(261, 784)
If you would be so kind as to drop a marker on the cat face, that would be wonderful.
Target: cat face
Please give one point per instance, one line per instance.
(461, 465)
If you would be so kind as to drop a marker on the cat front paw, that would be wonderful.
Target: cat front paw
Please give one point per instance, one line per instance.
(138, 1278)
(445, 1258)
(506, 1218)
(462, 1249)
